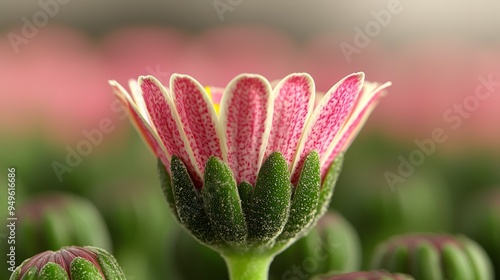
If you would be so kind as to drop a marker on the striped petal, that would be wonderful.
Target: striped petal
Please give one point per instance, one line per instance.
(198, 118)
(365, 105)
(328, 118)
(139, 121)
(245, 121)
(293, 103)
(165, 119)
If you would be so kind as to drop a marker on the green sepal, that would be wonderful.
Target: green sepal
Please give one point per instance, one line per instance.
(455, 263)
(427, 263)
(52, 271)
(82, 269)
(189, 204)
(222, 202)
(483, 269)
(31, 274)
(109, 265)
(166, 187)
(270, 203)
(305, 199)
(245, 190)
(326, 192)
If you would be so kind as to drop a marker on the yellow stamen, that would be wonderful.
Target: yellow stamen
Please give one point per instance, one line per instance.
(216, 105)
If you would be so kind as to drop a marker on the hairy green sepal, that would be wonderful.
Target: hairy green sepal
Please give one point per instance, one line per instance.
(237, 217)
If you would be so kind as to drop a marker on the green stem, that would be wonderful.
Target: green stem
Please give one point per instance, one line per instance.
(248, 266)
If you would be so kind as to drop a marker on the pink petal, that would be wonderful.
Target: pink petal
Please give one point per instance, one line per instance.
(165, 119)
(365, 105)
(198, 118)
(142, 126)
(245, 121)
(328, 118)
(293, 103)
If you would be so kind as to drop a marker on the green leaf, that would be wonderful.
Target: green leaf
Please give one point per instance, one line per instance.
(270, 203)
(31, 274)
(166, 187)
(52, 271)
(326, 192)
(189, 204)
(109, 265)
(222, 202)
(82, 269)
(305, 199)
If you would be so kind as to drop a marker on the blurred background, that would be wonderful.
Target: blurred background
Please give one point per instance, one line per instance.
(427, 161)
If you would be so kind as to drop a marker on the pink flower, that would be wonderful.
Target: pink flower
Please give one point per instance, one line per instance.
(254, 120)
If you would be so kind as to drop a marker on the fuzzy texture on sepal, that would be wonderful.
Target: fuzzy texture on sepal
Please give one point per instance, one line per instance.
(328, 186)
(433, 257)
(189, 204)
(264, 219)
(270, 202)
(305, 199)
(222, 202)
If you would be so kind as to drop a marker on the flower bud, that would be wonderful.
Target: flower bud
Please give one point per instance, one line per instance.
(76, 263)
(481, 221)
(434, 257)
(332, 245)
(368, 275)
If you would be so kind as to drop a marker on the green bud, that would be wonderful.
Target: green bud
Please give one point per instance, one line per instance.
(76, 263)
(368, 275)
(481, 221)
(433, 257)
(332, 245)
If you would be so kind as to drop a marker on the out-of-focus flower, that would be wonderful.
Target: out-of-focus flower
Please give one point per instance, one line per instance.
(54, 220)
(53, 89)
(366, 275)
(232, 171)
(332, 245)
(89, 263)
(434, 257)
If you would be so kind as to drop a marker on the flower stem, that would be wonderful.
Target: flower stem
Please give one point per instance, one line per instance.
(248, 266)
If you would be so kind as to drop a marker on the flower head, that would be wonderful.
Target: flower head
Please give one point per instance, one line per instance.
(251, 165)
(254, 120)
(70, 263)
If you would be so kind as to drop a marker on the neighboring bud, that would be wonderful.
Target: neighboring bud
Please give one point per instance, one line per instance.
(76, 263)
(481, 221)
(434, 257)
(332, 245)
(368, 275)
(55, 220)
